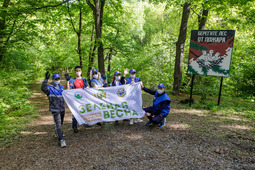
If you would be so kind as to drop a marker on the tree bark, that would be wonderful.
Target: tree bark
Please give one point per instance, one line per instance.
(98, 10)
(202, 19)
(180, 44)
(91, 53)
(109, 60)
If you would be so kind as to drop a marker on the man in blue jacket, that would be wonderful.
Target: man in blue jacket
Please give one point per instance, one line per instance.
(161, 106)
(57, 105)
(76, 83)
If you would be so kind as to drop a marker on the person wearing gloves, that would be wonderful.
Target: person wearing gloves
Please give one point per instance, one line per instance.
(161, 106)
(96, 80)
(130, 80)
(76, 83)
(56, 103)
(116, 82)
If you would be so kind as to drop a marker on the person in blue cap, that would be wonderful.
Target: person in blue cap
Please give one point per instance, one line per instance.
(116, 82)
(116, 79)
(76, 83)
(161, 106)
(57, 105)
(96, 80)
(130, 80)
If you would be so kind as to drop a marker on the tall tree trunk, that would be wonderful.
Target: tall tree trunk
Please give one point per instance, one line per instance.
(92, 52)
(202, 19)
(79, 39)
(98, 10)
(2, 28)
(109, 61)
(180, 44)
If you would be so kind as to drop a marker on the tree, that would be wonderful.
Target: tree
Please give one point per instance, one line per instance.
(180, 44)
(78, 32)
(98, 10)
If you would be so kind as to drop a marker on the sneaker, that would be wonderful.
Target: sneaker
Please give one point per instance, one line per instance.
(99, 124)
(63, 143)
(137, 120)
(75, 130)
(131, 121)
(148, 124)
(163, 123)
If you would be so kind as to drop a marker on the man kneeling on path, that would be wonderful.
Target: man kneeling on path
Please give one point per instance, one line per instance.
(161, 106)
(57, 105)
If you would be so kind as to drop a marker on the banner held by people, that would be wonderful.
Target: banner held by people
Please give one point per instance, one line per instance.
(93, 105)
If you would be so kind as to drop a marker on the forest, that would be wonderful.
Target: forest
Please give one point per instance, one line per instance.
(150, 36)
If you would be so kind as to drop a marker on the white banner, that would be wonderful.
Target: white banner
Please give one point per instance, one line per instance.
(93, 105)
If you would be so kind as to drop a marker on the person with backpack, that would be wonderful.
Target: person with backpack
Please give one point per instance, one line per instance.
(56, 103)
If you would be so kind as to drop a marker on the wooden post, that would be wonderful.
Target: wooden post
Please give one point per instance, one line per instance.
(220, 90)
(193, 76)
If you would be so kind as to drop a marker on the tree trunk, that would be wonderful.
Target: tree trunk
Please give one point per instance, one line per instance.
(180, 44)
(202, 19)
(98, 10)
(2, 28)
(91, 53)
(109, 61)
(79, 39)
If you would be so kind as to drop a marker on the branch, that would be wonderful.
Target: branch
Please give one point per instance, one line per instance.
(71, 20)
(7, 40)
(195, 12)
(91, 5)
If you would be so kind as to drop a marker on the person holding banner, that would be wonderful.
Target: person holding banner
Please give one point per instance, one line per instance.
(57, 105)
(96, 81)
(76, 83)
(130, 80)
(161, 106)
(116, 82)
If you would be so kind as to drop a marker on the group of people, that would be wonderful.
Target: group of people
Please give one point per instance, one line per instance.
(156, 114)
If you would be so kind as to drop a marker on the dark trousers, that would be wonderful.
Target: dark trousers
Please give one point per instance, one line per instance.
(74, 123)
(154, 118)
(58, 120)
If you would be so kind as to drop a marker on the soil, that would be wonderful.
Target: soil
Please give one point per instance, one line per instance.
(191, 139)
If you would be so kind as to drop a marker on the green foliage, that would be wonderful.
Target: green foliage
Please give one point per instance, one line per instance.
(15, 110)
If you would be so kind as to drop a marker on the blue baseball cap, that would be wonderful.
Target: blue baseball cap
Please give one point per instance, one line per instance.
(132, 71)
(55, 76)
(161, 85)
(94, 70)
(117, 72)
(77, 67)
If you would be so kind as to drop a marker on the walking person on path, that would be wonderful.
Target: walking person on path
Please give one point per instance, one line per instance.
(57, 105)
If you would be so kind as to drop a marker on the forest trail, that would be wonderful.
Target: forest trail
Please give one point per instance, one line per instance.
(188, 140)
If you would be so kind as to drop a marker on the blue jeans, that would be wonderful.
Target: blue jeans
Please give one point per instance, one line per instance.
(58, 120)
(154, 118)
(74, 123)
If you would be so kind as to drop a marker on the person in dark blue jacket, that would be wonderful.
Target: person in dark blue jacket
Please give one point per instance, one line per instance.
(76, 83)
(96, 80)
(161, 106)
(57, 105)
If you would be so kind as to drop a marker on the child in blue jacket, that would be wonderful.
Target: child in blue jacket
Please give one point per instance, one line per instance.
(57, 105)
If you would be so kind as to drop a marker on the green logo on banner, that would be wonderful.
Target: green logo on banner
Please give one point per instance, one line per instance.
(78, 95)
(100, 94)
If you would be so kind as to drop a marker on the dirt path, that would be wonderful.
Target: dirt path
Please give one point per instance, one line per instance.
(190, 140)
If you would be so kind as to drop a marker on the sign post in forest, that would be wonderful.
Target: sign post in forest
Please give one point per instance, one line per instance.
(210, 54)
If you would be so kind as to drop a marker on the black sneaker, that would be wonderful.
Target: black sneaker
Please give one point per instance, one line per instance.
(117, 122)
(75, 130)
(99, 124)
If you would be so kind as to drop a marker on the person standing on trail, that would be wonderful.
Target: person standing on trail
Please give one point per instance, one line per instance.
(130, 80)
(76, 83)
(57, 105)
(161, 106)
(116, 82)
